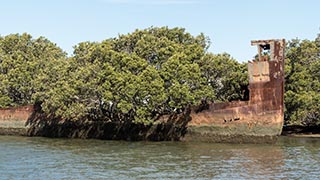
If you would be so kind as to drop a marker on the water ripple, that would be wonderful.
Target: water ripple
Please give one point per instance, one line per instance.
(44, 158)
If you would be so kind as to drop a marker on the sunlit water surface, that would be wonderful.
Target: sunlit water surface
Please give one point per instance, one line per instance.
(45, 158)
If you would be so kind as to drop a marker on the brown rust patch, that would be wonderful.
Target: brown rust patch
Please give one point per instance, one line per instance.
(13, 120)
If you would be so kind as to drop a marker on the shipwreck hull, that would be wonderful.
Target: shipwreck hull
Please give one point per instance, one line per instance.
(260, 119)
(13, 121)
(235, 122)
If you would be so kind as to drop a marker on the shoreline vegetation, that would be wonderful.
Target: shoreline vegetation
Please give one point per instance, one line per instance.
(139, 77)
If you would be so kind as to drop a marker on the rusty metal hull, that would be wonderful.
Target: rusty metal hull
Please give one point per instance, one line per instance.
(13, 121)
(236, 122)
(260, 119)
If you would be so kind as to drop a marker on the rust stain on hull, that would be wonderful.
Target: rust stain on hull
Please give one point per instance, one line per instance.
(261, 117)
(13, 121)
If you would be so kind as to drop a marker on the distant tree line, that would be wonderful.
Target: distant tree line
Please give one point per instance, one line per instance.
(142, 75)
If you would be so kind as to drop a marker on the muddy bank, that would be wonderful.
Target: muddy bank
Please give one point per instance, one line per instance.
(301, 131)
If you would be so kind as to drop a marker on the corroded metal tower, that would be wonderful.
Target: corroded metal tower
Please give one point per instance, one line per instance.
(260, 119)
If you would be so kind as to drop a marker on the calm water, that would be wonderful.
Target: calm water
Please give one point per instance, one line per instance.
(44, 158)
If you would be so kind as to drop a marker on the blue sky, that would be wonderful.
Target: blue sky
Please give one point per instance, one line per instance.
(230, 24)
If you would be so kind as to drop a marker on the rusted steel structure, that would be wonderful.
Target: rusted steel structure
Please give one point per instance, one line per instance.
(13, 120)
(260, 119)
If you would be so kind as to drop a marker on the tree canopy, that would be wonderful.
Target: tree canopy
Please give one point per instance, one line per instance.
(22, 60)
(137, 77)
(140, 76)
(302, 86)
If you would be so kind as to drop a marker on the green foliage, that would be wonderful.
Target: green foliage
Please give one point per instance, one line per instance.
(135, 77)
(22, 59)
(302, 88)
(132, 78)
(226, 77)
